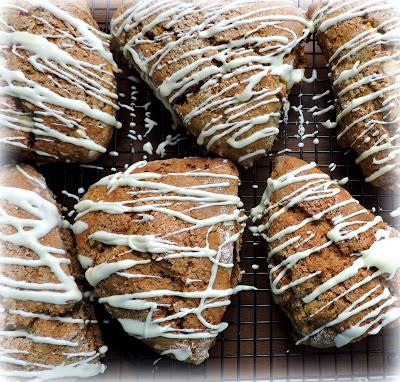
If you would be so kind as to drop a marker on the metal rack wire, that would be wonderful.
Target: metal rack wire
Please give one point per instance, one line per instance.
(257, 345)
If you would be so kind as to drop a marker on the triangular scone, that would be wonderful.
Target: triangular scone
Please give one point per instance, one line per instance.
(161, 242)
(35, 248)
(58, 91)
(333, 264)
(40, 347)
(223, 68)
(360, 40)
(46, 330)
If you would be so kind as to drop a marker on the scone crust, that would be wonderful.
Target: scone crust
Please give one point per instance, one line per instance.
(186, 274)
(42, 339)
(329, 261)
(52, 138)
(26, 177)
(367, 126)
(206, 109)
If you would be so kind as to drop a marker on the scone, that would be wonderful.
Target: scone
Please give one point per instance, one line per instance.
(223, 68)
(360, 40)
(38, 347)
(333, 264)
(58, 96)
(46, 330)
(161, 243)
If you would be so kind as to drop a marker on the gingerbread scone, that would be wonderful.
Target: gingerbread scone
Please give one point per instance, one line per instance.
(40, 347)
(46, 330)
(161, 243)
(333, 264)
(58, 91)
(223, 68)
(360, 40)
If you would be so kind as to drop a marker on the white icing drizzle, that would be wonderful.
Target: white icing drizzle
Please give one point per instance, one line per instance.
(384, 117)
(80, 369)
(37, 339)
(90, 36)
(181, 354)
(46, 317)
(382, 255)
(157, 196)
(79, 227)
(148, 148)
(85, 261)
(169, 141)
(55, 62)
(254, 56)
(28, 232)
(70, 195)
(34, 180)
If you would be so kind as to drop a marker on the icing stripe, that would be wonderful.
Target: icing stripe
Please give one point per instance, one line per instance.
(318, 186)
(374, 80)
(242, 118)
(150, 194)
(59, 67)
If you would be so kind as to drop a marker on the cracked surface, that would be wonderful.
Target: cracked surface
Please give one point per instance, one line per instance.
(171, 273)
(179, 57)
(37, 145)
(330, 260)
(86, 334)
(57, 238)
(332, 39)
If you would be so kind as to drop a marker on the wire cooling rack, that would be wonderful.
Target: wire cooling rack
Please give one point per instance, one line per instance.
(258, 344)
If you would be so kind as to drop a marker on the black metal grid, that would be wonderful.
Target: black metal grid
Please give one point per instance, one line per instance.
(258, 344)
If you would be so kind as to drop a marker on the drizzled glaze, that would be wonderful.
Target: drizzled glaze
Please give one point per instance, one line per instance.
(29, 233)
(53, 61)
(155, 197)
(79, 369)
(244, 117)
(381, 309)
(378, 139)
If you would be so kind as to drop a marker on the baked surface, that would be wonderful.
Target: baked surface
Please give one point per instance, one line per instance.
(32, 354)
(360, 41)
(223, 69)
(161, 243)
(317, 234)
(42, 314)
(58, 87)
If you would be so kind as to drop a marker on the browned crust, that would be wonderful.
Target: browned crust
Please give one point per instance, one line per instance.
(329, 41)
(330, 260)
(97, 131)
(57, 238)
(196, 96)
(173, 272)
(87, 335)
